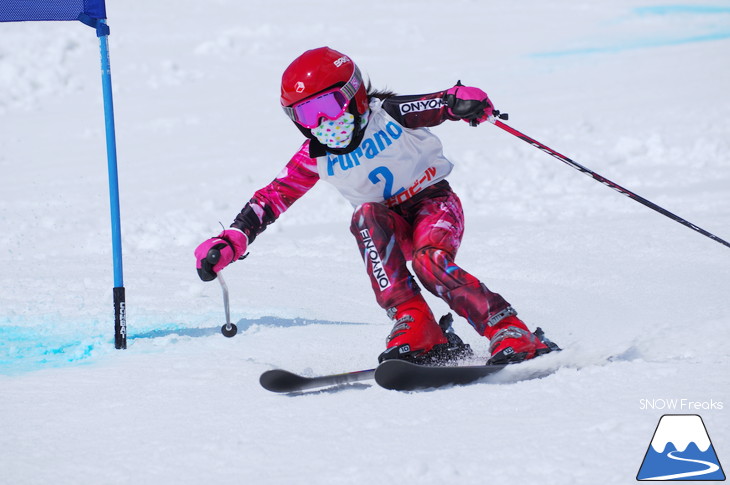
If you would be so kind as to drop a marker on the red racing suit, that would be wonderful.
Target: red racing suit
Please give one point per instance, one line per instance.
(405, 209)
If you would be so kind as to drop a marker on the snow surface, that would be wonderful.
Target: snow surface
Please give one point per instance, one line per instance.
(637, 91)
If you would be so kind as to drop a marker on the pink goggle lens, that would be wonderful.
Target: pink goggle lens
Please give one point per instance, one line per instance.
(331, 104)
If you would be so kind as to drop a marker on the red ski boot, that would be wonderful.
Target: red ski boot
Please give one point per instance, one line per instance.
(512, 342)
(415, 332)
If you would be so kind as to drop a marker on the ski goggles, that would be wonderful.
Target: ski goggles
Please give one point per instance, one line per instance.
(330, 104)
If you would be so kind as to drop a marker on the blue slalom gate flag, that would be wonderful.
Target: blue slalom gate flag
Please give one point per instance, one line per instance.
(29, 10)
(93, 14)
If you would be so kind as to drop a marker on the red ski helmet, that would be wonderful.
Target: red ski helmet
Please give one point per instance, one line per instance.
(319, 69)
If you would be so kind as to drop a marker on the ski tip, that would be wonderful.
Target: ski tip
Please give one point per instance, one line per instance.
(279, 380)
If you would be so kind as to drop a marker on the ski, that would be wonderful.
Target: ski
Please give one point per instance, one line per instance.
(396, 374)
(401, 375)
(279, 380)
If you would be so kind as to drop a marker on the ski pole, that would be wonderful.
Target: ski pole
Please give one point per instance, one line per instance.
(229, 329)
(494, 119)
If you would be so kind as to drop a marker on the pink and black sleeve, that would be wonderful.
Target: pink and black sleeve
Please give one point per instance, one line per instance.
(269, 202)
(418, 110)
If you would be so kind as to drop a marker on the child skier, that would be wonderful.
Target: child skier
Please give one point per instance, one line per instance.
(376, 149)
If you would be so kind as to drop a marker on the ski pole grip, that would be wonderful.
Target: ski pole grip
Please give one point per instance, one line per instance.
(213, 256)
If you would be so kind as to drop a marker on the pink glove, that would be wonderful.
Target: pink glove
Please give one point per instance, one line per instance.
(218, 252)
(468, 103)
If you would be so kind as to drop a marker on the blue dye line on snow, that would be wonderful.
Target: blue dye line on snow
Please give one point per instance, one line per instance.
(681, 9)
(716, 33)
(31, 348)
(24, 349)
(612, 49)
(34, 347)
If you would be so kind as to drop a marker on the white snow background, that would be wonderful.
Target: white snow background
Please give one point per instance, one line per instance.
(637, 91)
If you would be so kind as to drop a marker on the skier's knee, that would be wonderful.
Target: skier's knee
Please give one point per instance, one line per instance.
(367, 215)
(427, 265)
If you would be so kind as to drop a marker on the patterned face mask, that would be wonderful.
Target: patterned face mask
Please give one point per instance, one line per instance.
(337, 133)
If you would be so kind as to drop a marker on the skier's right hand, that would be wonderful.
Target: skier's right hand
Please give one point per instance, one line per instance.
(218, 252)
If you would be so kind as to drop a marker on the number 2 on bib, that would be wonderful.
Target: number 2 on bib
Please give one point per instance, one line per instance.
(385, 175)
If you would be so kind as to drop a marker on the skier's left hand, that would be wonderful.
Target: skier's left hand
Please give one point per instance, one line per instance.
(469, 104)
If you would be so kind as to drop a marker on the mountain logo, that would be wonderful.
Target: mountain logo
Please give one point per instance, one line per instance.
(681, 450)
